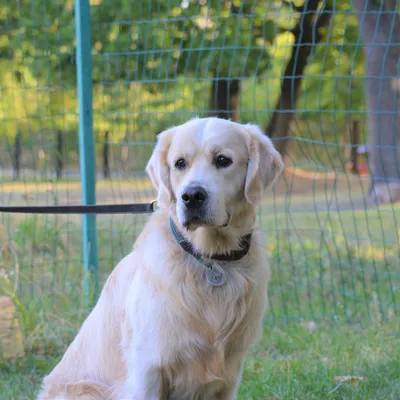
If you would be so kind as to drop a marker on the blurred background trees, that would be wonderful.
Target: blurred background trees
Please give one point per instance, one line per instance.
(295, 67)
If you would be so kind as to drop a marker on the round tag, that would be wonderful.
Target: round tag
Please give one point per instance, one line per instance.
(215, 275)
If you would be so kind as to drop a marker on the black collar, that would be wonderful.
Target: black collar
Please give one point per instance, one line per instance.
(234, 255)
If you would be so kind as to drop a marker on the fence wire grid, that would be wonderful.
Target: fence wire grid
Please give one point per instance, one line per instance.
(320, 77)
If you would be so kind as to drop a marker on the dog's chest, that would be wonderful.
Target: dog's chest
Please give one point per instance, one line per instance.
(218, 308)
(212, 325)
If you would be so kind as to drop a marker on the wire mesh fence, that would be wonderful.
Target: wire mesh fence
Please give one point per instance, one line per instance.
(302, 70)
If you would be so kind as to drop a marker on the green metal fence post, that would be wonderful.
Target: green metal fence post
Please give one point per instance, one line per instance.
(86, 146)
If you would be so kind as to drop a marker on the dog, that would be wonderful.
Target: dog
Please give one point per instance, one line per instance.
(178, 315)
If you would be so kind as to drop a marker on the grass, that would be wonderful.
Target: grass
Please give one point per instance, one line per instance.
(293, 361)
(338, 269)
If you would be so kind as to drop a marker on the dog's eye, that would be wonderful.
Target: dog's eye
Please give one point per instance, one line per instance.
(222, 162)
(180, 164)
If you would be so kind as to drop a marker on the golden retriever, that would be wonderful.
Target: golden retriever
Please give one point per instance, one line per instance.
(178, 315)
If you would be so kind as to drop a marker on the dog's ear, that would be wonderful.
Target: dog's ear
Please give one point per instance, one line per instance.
(158, 169)
(264, 166)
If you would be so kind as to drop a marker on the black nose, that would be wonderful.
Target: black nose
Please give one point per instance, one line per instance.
(194, 196)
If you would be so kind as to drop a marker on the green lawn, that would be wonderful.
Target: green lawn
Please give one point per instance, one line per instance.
(293, 361)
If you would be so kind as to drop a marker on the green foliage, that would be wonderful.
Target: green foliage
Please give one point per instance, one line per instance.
(157, 43)
(38, 40)
(158, 57)
(334, 80)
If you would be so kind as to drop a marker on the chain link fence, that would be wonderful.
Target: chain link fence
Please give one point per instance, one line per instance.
(320, 77)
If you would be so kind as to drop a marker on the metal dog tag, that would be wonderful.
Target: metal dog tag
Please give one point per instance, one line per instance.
(215, 275)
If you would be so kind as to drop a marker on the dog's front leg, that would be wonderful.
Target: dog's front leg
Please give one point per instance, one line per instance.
(145, 383)
(229, 391)
(227, 394)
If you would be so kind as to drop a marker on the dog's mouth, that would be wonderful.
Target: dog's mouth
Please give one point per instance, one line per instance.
(195, 222)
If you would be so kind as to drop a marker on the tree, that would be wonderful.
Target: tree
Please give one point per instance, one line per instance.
(307, 35)
(240, 40)
(38, 39)
(146, 42)
(225, 41)
(379, 26)
(224, 98)
(334, 77)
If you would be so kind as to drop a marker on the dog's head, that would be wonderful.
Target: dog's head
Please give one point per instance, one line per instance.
(207, 168)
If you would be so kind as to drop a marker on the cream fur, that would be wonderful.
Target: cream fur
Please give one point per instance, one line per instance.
(159, 331)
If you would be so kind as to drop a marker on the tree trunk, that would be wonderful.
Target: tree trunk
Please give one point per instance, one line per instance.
(306, 36)
(224, 98)
(354, 136)
(17, 155)
(106, 154)
(59, 155)
(380, 33)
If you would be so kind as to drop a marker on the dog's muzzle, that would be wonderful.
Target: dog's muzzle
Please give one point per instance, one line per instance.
(195, 200)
